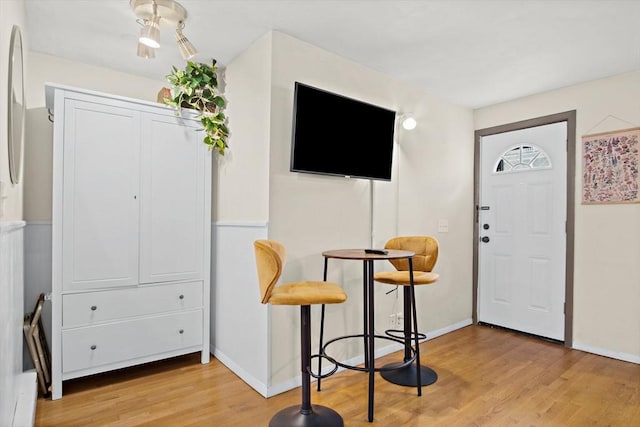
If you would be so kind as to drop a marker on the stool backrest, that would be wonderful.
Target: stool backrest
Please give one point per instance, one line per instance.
(425, 248)
(270, 258)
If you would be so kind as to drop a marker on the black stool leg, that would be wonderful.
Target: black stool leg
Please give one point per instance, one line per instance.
(324, 277)
(408, 376)
(320, 346)
(306, 415)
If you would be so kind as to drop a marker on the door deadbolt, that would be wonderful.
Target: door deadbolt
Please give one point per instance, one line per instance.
(485, 226)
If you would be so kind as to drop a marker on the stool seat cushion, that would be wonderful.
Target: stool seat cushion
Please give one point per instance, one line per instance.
(402, 278)
(307, 293)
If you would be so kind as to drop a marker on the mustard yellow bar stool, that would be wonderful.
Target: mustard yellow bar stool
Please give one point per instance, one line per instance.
(270, 259)
(426, 256)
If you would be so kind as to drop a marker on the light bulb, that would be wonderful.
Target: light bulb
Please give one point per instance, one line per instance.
(409, 123)
(145, 51)
(150, 34)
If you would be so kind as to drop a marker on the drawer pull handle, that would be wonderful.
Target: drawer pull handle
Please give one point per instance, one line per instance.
(181, 331)
(93, 347)
(181, 296)
(94, 308)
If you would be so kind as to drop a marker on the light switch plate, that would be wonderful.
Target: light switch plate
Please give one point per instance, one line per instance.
(443, 226)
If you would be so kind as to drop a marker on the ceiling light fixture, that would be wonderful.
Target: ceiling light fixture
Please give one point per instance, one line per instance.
(187, 50)
(408, 121)
(150, 34)
(156, 14)
(145, 51)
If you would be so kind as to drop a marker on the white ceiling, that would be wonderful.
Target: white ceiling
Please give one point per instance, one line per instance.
(470, 52)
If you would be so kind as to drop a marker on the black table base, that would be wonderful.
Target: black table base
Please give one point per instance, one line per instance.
(320, 416)
(408, 376)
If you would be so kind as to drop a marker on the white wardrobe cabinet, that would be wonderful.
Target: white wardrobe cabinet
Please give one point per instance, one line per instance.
(131, 234)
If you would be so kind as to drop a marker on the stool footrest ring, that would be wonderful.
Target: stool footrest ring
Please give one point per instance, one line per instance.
(328, 374)
(405, 363)
(400, 334)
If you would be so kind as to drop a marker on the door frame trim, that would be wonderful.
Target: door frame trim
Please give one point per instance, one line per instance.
(570, 118)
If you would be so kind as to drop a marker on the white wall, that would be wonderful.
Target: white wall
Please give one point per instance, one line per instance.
(311, 213)
(240, 330)
(11, 13)
(241, 186)
(11, 242)
(607, 247)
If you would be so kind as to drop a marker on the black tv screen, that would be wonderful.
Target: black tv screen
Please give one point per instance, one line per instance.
(336, 135)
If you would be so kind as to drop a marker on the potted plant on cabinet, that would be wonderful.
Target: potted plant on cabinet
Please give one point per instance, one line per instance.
(196, 87)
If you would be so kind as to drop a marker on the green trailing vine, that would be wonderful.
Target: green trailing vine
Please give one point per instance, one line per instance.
(196, 87)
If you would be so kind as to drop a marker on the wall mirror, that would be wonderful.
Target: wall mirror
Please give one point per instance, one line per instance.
(16, 110)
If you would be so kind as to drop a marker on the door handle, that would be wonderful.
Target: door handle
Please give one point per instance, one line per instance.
(485, 239)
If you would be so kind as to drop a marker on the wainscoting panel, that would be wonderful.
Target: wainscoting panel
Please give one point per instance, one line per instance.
(13, 388)
(37, 274)
(240, 323)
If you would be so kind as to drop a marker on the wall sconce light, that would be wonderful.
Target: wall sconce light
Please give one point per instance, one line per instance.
(153, 14)
(408, 121)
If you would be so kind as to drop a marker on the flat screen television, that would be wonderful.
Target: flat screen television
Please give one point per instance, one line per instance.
(340, 136)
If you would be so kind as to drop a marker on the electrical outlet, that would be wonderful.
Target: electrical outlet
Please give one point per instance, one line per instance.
(396, 321)
(399, 320)
(393, 319)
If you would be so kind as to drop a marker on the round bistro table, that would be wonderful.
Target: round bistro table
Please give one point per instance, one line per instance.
(368, 334)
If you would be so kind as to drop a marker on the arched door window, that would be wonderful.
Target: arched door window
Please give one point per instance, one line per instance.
(522, 157)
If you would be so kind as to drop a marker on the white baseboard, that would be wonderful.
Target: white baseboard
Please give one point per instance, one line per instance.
(252, 381)
(449, 328)
(25, 413)
(391, 348)
(607, 353)
(287, 385)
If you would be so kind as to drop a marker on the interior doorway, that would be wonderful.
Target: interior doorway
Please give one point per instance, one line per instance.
(523, 228)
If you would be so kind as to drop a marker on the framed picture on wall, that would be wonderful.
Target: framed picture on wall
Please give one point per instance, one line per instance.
(610, 167)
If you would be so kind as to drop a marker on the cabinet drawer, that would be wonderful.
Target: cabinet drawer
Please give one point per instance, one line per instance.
(101, 306)
(94, 346)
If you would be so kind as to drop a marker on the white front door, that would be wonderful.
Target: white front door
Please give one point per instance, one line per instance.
(522, 245)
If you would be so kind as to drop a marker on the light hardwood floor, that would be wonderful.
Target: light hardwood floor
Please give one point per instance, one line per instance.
(487, 377)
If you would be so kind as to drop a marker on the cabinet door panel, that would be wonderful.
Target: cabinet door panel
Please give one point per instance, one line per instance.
(172, 203)
(100, 225)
